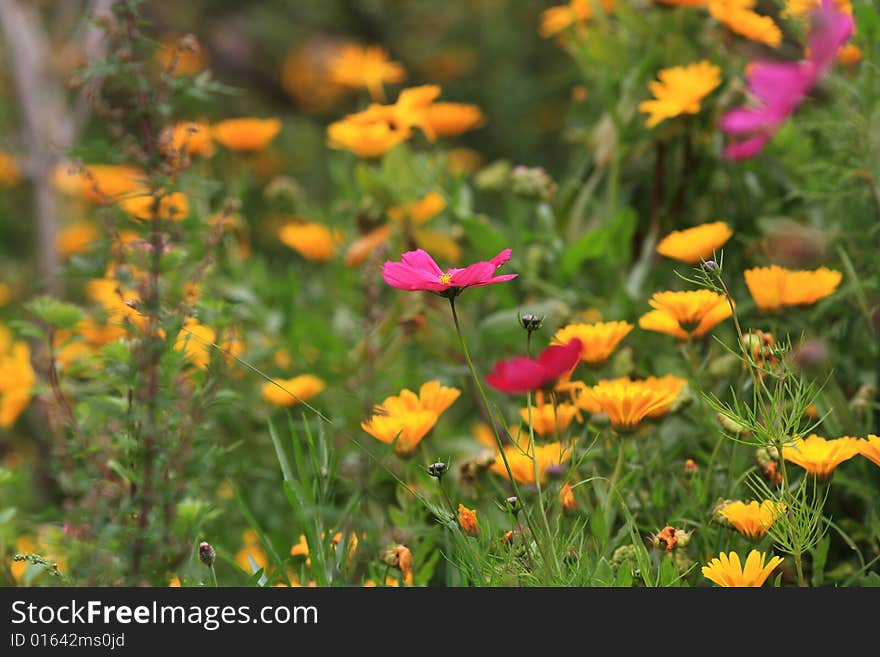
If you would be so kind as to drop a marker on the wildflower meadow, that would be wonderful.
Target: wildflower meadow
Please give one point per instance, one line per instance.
(498, 293)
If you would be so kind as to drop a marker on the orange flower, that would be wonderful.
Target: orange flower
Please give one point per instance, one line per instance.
(870, 448)
(467, 519)
(802, 8)
(363, 246)
(752, 519)
(549, 419)
(174, 206)
(99, 183)
(10, 172)
(694, 313)
(17, 377)
(680, 90)
(367, 140)
(194, 340)
(191, 138)
(726, 570)
(627, 403)
(849, 54)
(313, 241)
(818, 456)
(577, 12)
(739, 17)
(774, 287)
(523, 467)
(252, 556)
(185, 53)
(696, 244)
(246, 134)
(76, 237)
(452, 119)
(567, 499)
(419, 211)
(598, 339)
(305, 74)
(292, 391)
(365, 66)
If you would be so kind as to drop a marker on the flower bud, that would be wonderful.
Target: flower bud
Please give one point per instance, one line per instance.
(533, 183)
(437, 470)
(467, 518)
(512, 504)
(207, 554)
(531, 322)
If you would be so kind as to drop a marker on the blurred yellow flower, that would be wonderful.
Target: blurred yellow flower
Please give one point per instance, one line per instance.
(292, 391)
(549, 419)
(174, 206)
(10, 172)
(180, 55)
(463, 160)
(98, 334)
(523, 467)
(567, 499)
(313, 241)
(305, 74)
(726, 569)
(739, 17)
(680, 91)
(774, 287)
(246, 134)
(801, 8)
(693, 245)
(194, 340)
(418, 212)
(252, 556)
(76, 237)
(577, 12)
(99, 183)
(17, 377)
(693, 312)
(752, 519)
(366, 140)
(365, 66)
(191, 138)
(819, 456)
(849, 54)
(301, 547)
(363, 246)
(598, 339)
(6, 293)
(452, 119)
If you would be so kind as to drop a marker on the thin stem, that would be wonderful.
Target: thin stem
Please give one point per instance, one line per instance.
(534, 454)
(214, 576)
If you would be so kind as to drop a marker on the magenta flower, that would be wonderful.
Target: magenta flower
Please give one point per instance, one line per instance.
(780, 87)
(418, 271)
(521, 374)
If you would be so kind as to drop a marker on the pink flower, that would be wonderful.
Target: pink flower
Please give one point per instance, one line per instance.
(418, 271)
(521, 374)
(780, 87)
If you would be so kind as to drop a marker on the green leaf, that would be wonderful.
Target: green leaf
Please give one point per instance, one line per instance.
(54, 312)
(603, 576)
(820, 557)
(599, 528)
(608, 242)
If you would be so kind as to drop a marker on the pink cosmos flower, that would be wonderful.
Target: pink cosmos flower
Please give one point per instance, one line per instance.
(418, 271)
(780, 87)
(521, 374)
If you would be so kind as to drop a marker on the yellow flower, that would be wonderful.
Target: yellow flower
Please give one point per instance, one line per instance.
(363, 246)
(6, 293)
(523, 467)
(849, 54)
(305, 74)
(693, 245)
(246, 134)
(174, 582)
(726, 570)
(577, 12)
(367, 140)
(17, 377)
(76, 237)
(10, 172)
(627, 403)
(419, 211)
(549, 419)
(194, 340)
(774, 287)
(365, 66)
(313, 241)
(680, 90)
(739, 17)
(694, 312)
(598, 339)
(669, 384)
(801, 8)
(185, 53)
(251, 552)
(191, 138)
(408, 111)
(752, 519)
(301, 547)
(467, 519)
(818, 456)
(99, 183)
(405, 419)
(870, 448)
(174, 206)
(292, 391)
(452, 119)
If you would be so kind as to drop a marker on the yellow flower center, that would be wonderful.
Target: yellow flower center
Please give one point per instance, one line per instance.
(445, 278)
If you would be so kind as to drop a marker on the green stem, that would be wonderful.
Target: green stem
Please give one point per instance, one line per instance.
(214, 576)
(490, 415)
(533, 452)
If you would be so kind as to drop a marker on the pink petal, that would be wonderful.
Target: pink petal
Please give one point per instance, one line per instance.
(519, 374)
(829, 30)
(420, 259)
(746, 149)
(404, 277)
(472, 275)
(557, 359)
(501, 258)
(496, 279)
